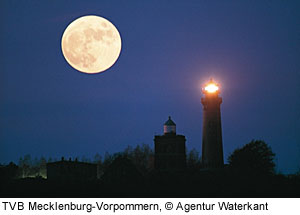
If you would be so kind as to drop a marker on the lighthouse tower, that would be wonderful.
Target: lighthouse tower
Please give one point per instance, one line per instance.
(169, 149)
(212, 147)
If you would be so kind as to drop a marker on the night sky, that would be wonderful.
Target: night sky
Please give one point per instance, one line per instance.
(169, 50)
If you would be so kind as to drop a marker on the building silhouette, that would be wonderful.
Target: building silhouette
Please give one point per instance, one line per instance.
(169, 149)
(71, 171)
(212, 147)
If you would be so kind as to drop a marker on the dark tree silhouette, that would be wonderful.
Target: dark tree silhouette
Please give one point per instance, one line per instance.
(141, 156)
(193, 159)
(255, 158)
(24, 165)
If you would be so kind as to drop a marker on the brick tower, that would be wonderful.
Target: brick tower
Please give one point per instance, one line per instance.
(169, 149)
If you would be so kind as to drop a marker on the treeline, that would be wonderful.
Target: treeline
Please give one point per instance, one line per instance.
(250, 172)
(142, 156)
(254, 158)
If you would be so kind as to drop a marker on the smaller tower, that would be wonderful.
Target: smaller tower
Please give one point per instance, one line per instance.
(169, 149)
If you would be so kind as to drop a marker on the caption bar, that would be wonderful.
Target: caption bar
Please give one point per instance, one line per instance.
(151, 206)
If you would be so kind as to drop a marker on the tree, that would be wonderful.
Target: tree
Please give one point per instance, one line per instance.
(141, 156)
(98, 161)
(24, 165)
(43, 167)
(193, 159)
(255, 158)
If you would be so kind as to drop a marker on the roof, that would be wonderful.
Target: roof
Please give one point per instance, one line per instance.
(169, 122)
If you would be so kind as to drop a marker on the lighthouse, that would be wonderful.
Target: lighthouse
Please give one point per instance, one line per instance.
(212, 146)
(169, 149)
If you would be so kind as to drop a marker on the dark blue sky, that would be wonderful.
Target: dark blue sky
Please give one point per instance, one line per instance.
(169, 49)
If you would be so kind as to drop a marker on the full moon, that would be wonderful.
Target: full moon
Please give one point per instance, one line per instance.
(91, 44)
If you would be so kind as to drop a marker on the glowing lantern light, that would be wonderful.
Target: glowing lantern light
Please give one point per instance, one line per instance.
(211, 87)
